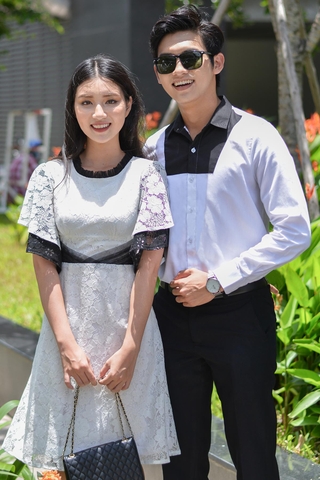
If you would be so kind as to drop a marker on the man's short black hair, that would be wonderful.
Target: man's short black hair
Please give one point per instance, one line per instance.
(187, 17)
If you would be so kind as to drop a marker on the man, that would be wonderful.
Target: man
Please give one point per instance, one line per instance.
(229, 174)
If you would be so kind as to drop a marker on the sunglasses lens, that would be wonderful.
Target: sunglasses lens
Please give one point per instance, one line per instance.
(166, 64)
(191, 60)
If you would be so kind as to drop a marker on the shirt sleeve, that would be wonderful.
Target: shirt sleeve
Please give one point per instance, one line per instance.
(285, 205)
(154, 210)
(37, 214)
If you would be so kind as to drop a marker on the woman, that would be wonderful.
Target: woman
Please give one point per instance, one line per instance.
(98, 217)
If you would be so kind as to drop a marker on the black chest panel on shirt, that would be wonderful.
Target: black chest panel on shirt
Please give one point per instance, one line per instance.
(184, 155)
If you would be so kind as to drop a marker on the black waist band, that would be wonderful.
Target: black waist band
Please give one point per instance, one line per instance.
(247, 288)
(116, 256)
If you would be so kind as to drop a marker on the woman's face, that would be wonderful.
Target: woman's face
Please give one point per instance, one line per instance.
(101, 109)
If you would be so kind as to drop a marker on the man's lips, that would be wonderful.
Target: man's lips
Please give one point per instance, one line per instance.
(182, 83)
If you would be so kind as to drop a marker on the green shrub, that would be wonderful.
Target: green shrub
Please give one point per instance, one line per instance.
(298, 330)
(10, 467)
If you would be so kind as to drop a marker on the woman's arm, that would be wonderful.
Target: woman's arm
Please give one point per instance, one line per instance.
(74, 361)
(118, 370)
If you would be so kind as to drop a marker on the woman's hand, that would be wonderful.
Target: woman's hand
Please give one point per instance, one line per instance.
(117, 372)
(76, 364)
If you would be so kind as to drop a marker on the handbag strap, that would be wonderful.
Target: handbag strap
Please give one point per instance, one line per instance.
(73, 419)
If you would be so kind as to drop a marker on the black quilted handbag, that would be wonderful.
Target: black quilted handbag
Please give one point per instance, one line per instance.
(117, 460)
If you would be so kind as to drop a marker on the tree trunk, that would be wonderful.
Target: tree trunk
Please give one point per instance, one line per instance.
(217, 18)
(278, 12)
(314, 34)
(311, 42)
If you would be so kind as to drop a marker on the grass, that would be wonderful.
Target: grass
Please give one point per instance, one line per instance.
(19, 296)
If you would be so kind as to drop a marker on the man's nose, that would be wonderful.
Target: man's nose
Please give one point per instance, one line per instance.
(179, 66)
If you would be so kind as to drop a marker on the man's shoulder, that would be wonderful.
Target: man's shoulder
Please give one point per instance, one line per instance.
(250, 117)
(155, 144)
(254, 127)
(157, 136)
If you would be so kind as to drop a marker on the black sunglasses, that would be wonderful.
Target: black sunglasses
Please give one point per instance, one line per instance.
(190, 60)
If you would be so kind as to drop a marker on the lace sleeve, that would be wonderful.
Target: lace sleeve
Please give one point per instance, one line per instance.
(154, 210)
(37, 211)
(147, 241)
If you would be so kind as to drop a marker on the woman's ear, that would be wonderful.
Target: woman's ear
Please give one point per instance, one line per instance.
(129, 105)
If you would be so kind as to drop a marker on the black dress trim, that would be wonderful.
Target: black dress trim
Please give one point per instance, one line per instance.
(105, 173)
(147, 241)
(117, 256)
(44, 248)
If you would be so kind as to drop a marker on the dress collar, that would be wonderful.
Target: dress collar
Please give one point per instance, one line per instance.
(105, 173)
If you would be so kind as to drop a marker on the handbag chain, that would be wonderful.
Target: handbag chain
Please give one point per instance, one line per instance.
(73, 419)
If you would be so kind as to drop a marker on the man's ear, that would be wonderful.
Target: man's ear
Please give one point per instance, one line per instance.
(218, 63)
(156, 74)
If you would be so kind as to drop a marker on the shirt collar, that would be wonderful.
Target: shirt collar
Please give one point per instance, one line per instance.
(220, 118)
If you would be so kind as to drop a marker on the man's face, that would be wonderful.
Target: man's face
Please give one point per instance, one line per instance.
(188, 87)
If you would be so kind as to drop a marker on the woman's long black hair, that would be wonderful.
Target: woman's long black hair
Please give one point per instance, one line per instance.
(105, 67)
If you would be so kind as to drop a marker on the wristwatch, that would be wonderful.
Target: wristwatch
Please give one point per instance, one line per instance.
(213, 285)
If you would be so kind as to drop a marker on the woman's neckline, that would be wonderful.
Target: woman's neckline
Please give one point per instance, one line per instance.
(104, 173)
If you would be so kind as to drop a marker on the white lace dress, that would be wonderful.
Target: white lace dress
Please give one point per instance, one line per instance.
(91, 228)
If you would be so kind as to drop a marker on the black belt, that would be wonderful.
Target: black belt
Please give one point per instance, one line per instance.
(247, 288)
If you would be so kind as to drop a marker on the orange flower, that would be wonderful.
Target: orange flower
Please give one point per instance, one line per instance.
(157, 115)
(51, 475)
(315, 166)
(309, 190)
(152, 120)
(249, 110)
(312, 126)
(56, 151)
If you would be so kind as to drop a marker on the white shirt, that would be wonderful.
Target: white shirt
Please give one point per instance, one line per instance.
(225, 187)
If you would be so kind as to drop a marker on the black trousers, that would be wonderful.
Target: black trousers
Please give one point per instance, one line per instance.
(232, 342)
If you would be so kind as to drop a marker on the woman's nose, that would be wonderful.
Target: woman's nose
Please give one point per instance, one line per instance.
(99, 111)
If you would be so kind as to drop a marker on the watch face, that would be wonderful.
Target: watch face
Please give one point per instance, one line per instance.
(213, 285)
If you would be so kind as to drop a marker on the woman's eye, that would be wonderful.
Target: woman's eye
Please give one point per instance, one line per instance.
(86, 102)
(111, 101)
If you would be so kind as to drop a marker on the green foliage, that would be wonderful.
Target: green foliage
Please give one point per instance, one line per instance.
(298, 330)
(21, 12)
(235, 13)
(12, 214)
(10, 467)
(19, 295)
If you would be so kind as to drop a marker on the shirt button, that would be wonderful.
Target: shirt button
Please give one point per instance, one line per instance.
(189, 240)
(191, 179)
(193, 149)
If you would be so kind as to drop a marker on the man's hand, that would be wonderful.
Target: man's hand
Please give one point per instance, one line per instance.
(189, 288)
